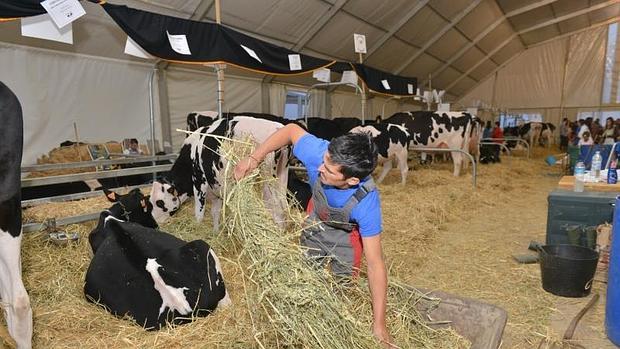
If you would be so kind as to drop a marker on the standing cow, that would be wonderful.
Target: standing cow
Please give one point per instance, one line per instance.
(198, 171)
(392, 143)
(17, 311)
(429, 129)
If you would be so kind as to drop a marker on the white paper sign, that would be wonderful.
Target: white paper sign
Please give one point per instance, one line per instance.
(63, 12)
(385, 84)
(294, 62)
(410, 89)
(178, 43)
(133, 49)
(251, 53)
(349, 76)
(323, 74)
(42, 27)
(360, 43)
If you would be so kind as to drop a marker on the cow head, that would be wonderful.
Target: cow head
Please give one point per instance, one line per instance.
(132, 207)
(165, 201)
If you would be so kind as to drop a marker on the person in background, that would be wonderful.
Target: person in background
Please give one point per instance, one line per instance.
(564, 129)
(498, 134)
(134, 148)
(609, 133)
(586, 139)
(488, 131)
(596, 131)
(583, 127)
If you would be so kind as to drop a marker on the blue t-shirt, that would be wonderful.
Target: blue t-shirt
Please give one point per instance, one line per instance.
(366, 214)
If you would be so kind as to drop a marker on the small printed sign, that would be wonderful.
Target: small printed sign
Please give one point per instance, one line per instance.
(42, 27)
(410, 89)
(349, 76)
(385, 84)
(133, 49)
(63, 12)
(360, 43)
(178, 43)
(251, 53)
(294, 62)
(322, 74)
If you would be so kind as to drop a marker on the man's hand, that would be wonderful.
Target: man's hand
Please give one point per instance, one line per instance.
(383, 336)
(245, 167)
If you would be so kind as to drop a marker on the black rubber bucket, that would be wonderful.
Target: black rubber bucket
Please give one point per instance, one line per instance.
(567, 270)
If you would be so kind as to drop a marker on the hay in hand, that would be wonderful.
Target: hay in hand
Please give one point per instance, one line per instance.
(294, 303)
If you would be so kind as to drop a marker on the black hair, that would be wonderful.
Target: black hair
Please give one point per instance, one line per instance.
(356, 153)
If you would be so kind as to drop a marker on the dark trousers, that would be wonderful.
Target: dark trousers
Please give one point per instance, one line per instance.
(563, 142)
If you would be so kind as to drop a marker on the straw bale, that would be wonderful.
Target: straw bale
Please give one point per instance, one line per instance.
(73, 153)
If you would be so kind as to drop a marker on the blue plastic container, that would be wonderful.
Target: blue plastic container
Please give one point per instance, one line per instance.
(612, 308)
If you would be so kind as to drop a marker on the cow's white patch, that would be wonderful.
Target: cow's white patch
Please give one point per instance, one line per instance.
(366, 129)
(173, 298)
(226, 301)
(17, 304)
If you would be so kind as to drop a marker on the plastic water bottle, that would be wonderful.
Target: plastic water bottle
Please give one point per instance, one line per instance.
(580, 174)
(597, 159)
(612, 174)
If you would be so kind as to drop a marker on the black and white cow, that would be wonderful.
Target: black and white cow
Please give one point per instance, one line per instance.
(546, 134)
(16, 303)
(392, 144)
(198, 171)
(429, 129)
(132, 207)
(152, 276)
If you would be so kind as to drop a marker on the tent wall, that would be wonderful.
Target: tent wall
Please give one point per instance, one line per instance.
(564, 74)
(107, 99)
(190, 91)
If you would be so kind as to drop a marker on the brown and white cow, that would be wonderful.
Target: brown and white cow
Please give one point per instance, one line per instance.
(392, 144)
(17, 310)
(199, 169)
(429, 129)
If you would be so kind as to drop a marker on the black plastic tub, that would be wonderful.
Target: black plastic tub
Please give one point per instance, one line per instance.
(567, 270)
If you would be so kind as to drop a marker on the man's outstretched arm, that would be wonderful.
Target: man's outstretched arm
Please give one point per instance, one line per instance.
(287, 135)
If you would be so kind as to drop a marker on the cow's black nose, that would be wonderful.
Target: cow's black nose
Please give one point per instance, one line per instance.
(174, 199)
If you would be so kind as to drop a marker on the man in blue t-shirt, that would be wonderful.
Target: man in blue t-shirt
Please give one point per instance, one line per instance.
(346, 210)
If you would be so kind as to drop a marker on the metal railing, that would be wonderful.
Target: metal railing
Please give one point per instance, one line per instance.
(39, 181)
(448, 150)
(515, 139)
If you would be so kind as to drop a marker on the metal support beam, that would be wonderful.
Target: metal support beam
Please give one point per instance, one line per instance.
(406, 18)
(438, 36)
(489, 29)
(542, 43)
(202, 9)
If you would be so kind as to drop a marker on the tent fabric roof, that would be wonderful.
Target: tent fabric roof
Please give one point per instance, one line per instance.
(458, 43)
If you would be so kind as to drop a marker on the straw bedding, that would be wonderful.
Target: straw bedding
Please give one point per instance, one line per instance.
(416, 219)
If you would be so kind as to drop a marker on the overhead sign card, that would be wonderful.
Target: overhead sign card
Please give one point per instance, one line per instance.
(63, 12)
(42, 27)
(178, 43)
(360, 43)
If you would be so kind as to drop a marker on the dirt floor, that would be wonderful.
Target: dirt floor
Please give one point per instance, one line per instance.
(439, 233)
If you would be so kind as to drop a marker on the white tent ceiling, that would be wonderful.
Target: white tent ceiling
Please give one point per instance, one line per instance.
(458, 43)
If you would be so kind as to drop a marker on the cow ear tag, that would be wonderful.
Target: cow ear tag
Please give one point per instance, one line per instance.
(143, 203)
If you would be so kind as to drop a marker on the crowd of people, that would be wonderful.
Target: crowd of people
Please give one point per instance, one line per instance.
(588, 132)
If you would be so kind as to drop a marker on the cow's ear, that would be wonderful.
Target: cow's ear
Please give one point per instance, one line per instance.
(112, 197)
(156, 188)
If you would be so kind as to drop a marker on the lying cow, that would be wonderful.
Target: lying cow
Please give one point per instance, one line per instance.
(429, 129)
(392, 143)
(16, 304)
(132, 207)
(198, 171)
(151, 276)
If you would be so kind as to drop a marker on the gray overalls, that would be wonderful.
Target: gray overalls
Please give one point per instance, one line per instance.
(330, 236)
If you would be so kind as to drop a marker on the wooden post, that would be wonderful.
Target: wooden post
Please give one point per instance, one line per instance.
(77, 141)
